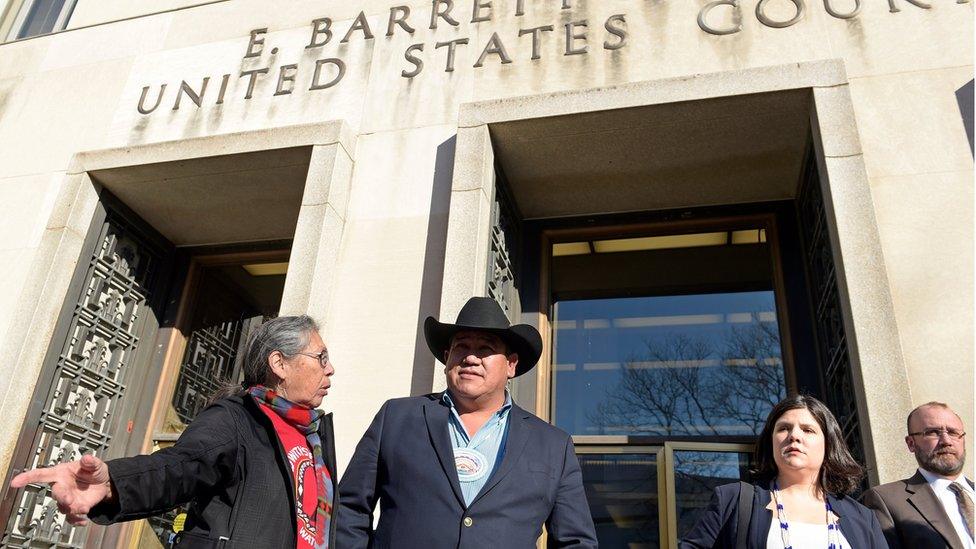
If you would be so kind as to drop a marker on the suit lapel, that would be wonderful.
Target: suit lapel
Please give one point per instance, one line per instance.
(436, 415)
(923, 499)
(518, 435)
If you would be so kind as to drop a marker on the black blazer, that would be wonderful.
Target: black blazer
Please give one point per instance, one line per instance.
(405, 462)
(717, 527)
(230, 466)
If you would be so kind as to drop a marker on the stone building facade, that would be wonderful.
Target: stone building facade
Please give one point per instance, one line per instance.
(703, 205)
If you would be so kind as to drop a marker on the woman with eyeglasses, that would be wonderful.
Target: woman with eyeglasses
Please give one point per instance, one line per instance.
(801, 498)
(257, 467)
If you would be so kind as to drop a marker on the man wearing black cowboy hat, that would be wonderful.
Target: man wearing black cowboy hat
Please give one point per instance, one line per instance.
(466, 468)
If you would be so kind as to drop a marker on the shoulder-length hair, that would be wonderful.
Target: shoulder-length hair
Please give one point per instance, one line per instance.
(839, 473)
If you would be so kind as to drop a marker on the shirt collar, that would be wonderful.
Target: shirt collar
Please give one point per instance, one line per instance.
(446, 397)
(940, 483)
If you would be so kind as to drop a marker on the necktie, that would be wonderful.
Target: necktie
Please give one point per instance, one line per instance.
(965, 505)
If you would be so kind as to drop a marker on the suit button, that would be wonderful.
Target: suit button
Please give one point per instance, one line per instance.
(468, 521)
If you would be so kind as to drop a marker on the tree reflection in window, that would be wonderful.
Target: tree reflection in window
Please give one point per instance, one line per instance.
(709, 378)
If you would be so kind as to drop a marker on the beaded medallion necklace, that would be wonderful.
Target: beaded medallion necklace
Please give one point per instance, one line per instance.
(472, 464)
(833, 530)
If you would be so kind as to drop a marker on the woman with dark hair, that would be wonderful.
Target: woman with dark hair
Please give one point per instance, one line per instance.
(801, 499)
(257, 466)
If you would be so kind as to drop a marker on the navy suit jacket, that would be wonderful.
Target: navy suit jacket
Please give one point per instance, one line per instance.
(405, 462)
(718, 525)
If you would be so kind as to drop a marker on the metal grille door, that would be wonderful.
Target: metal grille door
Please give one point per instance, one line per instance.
(209, 359)
(80, 413)
(502, 272)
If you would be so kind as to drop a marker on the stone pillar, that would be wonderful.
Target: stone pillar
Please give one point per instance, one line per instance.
(311, 267)
(468, 226)
(879, 374)
(40, 304)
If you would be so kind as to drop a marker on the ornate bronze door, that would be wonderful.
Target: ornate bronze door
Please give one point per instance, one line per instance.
(102, 344)
(223, 307)
(502, 275)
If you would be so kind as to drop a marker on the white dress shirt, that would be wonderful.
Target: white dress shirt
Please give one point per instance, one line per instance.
(948, 499)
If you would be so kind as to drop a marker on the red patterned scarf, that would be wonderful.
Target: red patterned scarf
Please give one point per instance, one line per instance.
(306, 420)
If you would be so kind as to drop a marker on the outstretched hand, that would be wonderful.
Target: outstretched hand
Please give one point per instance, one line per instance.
(77, 486)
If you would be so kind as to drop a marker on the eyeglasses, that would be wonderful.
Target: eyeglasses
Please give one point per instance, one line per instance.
(322, 357)
(934, 434)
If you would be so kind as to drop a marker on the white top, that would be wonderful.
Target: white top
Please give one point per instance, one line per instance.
(803, 535)
(948, 499)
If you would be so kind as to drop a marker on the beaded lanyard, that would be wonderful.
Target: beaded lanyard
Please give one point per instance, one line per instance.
(784, 525)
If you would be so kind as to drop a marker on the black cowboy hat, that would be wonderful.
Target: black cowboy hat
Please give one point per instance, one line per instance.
(483, 314)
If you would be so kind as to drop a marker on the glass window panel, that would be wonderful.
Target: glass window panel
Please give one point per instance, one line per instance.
(696, 474)
(622, 492)
(689, 365)
(41, 18)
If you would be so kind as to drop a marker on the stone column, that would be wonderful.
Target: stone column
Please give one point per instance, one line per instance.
(39, 306)
(309, 283)
(468, 226)
(880, 377)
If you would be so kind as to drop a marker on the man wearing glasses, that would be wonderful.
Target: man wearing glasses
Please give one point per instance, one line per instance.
(934, 508)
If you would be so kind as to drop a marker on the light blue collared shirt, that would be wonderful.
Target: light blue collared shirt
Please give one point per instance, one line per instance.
(489, 441)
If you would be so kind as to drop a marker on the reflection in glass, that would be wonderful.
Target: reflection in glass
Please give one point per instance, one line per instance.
(696, 474)
(622, 492)
(42, 17)
(707, 364)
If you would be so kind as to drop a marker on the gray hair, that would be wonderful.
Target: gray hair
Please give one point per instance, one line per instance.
(285, 334)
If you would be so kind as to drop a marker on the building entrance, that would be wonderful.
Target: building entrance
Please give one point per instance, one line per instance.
(182, 259)
(672, 336)
(680, 263)
(226, 297)
(88, 398)
(667, 353)
(154, 331)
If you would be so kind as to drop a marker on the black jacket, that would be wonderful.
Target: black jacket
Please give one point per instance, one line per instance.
(717, 527)
(231, 467)
(405, 463)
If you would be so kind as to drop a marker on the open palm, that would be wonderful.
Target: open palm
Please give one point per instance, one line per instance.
(77, 486)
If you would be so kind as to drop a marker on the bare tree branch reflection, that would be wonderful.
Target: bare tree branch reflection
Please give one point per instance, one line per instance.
(684, 385)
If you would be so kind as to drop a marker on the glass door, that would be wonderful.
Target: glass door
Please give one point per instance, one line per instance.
(706, 364)
(648, 497)
(693, 471)
(623, 487)
(668, 349)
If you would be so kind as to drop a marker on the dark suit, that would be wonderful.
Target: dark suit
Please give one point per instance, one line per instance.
(911, 515)
(405, 462)
(718, 524)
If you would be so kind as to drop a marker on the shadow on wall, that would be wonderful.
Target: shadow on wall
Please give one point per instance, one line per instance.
(422, 378)
(964, 96)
